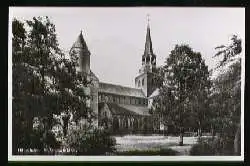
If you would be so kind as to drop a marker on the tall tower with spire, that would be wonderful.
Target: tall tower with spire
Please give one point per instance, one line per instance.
(145, 79)
(148, 58)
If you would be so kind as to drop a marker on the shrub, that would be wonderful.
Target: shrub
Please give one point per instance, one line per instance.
(220, 145)
(91, 141)
(203, 148)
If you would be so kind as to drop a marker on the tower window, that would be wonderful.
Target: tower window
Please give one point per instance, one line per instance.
(153, 60)
(139, 83)
(142, 83)
(143, 60)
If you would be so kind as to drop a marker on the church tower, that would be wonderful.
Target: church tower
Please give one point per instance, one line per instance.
(80, 53)
(145, 79)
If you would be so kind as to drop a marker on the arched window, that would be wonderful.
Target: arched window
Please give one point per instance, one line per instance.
(142, 83)
(143, 60)
(153, 60)
(139, 83)
(106, 98)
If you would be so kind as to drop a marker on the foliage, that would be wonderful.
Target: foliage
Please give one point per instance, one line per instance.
(90, 141)
(226, 98)
(203, 148)
(184, 91)
(230, 51)
(45, 84)
(33, 52)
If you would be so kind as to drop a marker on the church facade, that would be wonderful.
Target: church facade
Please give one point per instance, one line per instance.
(120, 108)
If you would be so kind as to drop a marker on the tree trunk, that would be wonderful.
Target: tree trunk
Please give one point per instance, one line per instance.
(237, 141)
(199, 133)
(212, 132)
(181, 137)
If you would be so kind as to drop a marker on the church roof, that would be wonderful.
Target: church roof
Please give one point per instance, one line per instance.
(120, 90)
(140, 110)
(93, 75)
(125, 110)
(80, 43)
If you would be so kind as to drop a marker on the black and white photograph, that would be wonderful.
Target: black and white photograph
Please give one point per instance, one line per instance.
(126, 83)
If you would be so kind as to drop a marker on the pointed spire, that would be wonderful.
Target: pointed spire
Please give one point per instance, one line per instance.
(148, 44)
(80, 43)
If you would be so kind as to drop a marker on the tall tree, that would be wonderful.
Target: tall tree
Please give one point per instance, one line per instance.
(35, 94)
(226, 97)
(184, 89)
(45, 84)
(20, 72)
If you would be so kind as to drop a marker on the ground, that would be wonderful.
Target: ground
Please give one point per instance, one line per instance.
(154, 142)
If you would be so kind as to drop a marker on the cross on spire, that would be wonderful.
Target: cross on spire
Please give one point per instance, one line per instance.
(148, 19)
(148, 44)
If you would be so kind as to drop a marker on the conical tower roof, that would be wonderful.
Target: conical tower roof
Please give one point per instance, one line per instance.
(80, 43)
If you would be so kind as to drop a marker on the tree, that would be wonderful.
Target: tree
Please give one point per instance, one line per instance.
(226, 97)
(19, 120)
(42, 82)
(229, 52)
(45, 84)
(184, 89)
(34, 53)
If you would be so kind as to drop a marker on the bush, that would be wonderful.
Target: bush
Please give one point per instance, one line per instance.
(220, 145)
(91, 141)
(203, 148)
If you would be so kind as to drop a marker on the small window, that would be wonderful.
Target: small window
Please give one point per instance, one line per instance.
(139, 83)
(142, 83)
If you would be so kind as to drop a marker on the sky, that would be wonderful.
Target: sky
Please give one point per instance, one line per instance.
(116, 36)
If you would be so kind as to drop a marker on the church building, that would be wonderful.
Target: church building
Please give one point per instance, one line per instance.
(119, 108)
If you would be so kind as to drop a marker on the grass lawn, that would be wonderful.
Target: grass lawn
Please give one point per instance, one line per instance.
(155, 143)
